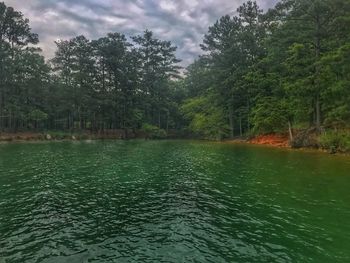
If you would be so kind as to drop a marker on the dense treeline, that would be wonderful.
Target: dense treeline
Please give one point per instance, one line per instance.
(276, 71)
(284, 70)
(109, 83)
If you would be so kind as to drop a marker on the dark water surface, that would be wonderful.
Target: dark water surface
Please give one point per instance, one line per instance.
(171, 201)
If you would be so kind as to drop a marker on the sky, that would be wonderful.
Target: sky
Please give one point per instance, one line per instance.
(183, 22)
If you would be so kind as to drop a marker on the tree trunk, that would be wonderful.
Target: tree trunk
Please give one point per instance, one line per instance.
(1, 108)
(317, 71)
(167, 122)
(248, 121)
(240, 126)
(232, 135)
(318, 114)
(10, 120)
(290, 130)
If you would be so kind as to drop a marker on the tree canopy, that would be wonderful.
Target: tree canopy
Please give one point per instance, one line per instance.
(107, 83)
(260, 72)
(271, 71)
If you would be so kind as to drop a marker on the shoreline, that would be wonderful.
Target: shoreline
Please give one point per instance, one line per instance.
(285, 147)
(272, 141)
(55, 136)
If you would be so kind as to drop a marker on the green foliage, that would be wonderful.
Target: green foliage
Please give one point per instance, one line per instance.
(261, 72)
(153, 132)
(206, 119)
(335, 74)
(37, 115)
(269, 116)
(269, 71)
(336, 141)
(114, 82)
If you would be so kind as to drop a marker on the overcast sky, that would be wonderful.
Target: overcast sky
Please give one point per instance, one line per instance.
(184, 22)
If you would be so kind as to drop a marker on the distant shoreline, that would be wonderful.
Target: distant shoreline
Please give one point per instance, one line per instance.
(273, 141)
(55, 136)
(31, 136)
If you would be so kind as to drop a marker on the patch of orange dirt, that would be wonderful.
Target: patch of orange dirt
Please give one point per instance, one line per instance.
(271, 139)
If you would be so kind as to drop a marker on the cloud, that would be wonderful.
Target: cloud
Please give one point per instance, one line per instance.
(184, 22)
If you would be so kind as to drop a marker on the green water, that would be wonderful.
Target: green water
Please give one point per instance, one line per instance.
(171, 201)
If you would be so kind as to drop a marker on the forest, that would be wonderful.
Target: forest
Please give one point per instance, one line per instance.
(284, 70)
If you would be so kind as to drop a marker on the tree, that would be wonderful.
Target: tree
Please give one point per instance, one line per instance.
(314, 27)
(206, 119)
(158, 65)
(15, 36)
(287, 65)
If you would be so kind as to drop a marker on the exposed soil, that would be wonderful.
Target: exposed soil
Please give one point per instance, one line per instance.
(277, 140)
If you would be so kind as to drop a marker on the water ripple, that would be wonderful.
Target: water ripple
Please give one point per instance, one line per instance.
(170, 201)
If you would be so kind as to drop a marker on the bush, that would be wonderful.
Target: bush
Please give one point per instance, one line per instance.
(206, 119)
(269, 116)
(305, 138)
(153, 132)
(37, 115)
(336, 141)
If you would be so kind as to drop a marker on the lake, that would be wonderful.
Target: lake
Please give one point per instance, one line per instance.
(171, 201)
